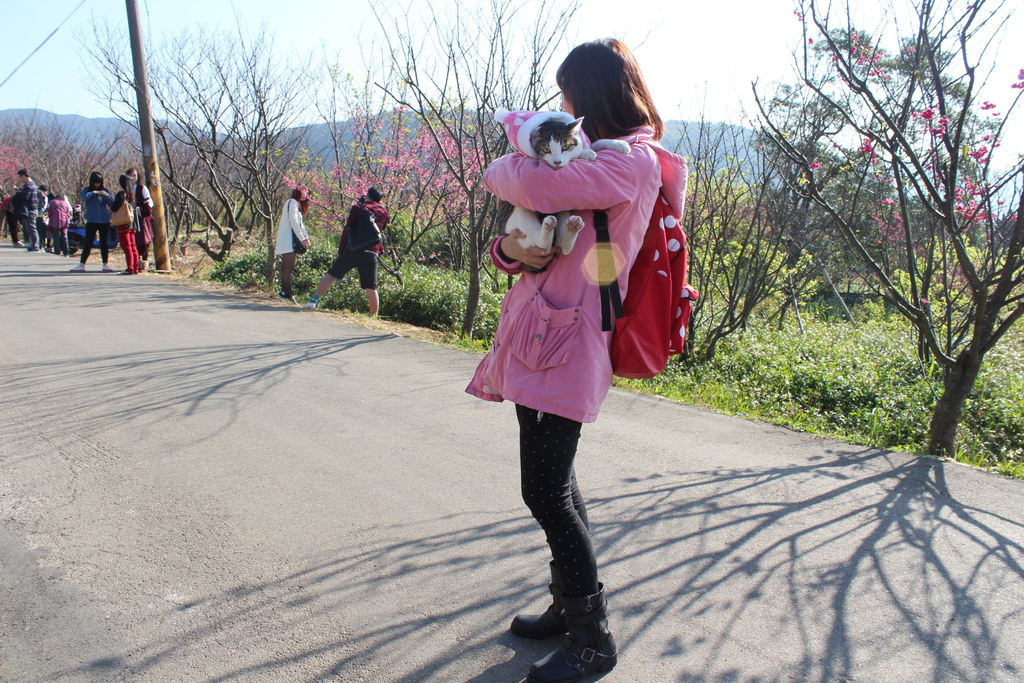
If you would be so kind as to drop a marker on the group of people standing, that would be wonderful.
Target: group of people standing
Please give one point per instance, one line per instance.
(102, 210)
(42, 219)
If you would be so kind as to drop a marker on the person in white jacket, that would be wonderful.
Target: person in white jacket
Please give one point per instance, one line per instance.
(291, 230)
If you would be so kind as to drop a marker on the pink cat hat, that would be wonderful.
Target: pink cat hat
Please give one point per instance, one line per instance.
(520, 124)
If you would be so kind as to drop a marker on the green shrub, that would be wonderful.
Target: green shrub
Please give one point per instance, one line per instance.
(425, 296)
(243, 271)
(861, 384)
(855, 383)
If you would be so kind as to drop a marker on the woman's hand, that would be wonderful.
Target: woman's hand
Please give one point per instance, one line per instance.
(535, 257)
(306, 242)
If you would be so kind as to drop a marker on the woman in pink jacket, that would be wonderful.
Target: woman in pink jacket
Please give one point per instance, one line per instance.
(549, 355)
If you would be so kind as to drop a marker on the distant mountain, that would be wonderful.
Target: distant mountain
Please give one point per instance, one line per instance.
(73, 125)
(683, 137)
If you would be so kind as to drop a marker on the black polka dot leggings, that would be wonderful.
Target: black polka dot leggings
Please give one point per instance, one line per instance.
(547, 449)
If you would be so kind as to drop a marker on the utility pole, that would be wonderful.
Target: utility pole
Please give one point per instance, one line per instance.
(152, 169)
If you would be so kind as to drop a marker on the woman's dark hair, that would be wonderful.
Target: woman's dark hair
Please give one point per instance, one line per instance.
(129, 188)
(96, 177)
(374, 195)
(603, 82)
(301, 194)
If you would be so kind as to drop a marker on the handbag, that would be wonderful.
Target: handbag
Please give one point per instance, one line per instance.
(364, 233)
(123, 215)
(297, 245)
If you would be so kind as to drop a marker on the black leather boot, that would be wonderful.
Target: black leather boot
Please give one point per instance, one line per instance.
(589, 648)
(550, 623)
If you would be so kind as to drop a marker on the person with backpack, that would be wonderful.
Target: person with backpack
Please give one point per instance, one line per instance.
(367, 211)
(144, 212)
(97, 200)
(26, 209)
(124, 218)
(550, 355)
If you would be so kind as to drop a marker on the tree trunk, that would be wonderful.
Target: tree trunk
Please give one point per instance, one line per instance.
(950, 407)
(268, 271)
(473, 296)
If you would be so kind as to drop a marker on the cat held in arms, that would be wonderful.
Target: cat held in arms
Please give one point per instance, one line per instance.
(555, 138)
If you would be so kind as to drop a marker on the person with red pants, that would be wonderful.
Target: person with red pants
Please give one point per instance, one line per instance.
(144, 211)
(126, 231)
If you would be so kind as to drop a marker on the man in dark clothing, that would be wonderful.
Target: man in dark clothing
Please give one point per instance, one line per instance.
(365, 260)
(27, 203)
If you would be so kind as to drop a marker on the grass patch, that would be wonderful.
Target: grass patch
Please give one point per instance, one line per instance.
(859, 384)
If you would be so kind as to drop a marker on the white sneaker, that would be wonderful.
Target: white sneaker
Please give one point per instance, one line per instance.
(79, 268)
(311, 305)
(107, 268)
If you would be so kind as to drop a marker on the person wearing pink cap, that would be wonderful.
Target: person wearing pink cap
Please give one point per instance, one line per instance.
(550, 355)
(519, 125)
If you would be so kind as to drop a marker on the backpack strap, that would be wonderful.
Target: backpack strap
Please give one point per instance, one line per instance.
(607, 276)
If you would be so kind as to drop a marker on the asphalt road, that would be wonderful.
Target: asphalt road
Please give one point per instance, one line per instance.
(200, 487)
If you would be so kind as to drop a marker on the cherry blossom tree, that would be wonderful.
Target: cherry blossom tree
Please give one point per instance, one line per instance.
(909, 178)
(375, 144)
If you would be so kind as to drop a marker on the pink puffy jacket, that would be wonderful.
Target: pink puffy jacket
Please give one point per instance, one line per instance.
(549, 352)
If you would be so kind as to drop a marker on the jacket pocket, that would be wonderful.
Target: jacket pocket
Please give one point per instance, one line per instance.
(543, 337)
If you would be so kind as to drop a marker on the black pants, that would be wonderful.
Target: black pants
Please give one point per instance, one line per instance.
(12, 227)
(60, 242)
(90, 235)
(547, 449)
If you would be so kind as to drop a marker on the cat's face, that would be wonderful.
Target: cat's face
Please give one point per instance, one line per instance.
(557, 142)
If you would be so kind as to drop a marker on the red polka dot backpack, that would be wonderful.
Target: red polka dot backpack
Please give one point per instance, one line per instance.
(651, 324)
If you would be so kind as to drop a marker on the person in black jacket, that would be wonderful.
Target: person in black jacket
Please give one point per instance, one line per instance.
(27, 203)
(365, 260)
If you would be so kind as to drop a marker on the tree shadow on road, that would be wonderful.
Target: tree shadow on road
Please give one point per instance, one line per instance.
(860, 566)
(92, 392)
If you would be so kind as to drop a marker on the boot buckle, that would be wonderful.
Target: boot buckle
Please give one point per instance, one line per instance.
(588, 655)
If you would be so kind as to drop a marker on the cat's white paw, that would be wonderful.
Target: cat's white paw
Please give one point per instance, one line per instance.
(614, 145)
(549, 223)
(588, 155)
(567, 239)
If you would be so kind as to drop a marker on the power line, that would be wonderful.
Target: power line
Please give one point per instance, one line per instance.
(43, 43)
